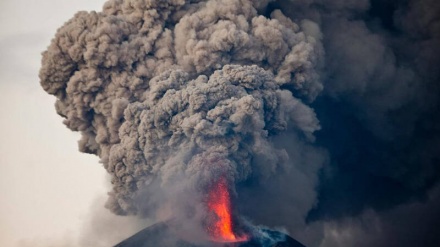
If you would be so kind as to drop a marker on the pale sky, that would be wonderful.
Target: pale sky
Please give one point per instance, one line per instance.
(49, 190)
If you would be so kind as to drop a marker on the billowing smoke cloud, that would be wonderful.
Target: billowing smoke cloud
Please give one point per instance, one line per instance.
(165, 91)
(173, 94)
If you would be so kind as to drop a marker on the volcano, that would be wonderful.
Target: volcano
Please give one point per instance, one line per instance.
(160, 235)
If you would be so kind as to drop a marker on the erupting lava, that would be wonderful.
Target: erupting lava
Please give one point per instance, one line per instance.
(219, 203)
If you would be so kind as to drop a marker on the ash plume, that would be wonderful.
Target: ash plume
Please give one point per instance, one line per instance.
(168, 90)
(315, 111)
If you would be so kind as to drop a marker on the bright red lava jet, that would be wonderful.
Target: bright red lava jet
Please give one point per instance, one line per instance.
(219, 203)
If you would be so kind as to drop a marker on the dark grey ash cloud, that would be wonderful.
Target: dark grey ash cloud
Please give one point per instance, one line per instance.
(379, 114)
(316, 111)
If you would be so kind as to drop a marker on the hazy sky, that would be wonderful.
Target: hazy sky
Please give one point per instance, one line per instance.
(41, 198)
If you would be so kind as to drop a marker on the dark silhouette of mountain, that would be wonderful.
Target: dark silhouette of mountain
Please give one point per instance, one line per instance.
(158, 235)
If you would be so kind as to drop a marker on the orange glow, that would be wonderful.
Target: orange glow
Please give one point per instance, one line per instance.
(219, 203)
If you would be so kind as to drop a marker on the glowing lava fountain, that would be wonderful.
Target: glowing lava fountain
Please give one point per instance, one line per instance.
(219, 204)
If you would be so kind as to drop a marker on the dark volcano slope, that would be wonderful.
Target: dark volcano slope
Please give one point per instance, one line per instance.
(158, 235)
